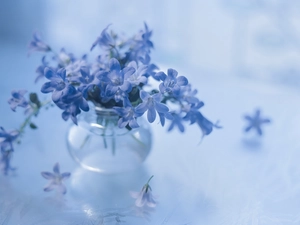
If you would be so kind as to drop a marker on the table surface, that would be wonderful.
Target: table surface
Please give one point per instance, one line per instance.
(229, 178)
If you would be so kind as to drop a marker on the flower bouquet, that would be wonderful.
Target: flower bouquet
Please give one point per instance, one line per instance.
(117, 86)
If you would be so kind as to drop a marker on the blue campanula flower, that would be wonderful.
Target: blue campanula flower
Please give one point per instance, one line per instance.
(7, 138)
(187, 94)
(128, 115)
(72, 102)
(73, 69)
(37, 45)
(144, 197)
(152, 104)
(57, 82)
(171, 83)
(56, 180)
(194, 116)
(140, 47)
(18, 99)
(40, 69)
(87, 81)
(137, 77)
(115, 80)
(256, 122)
(105, 40)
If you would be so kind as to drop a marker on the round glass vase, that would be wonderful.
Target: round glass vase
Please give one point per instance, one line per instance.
(99, 145)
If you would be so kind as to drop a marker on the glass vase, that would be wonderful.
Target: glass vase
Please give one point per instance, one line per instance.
(99, 145)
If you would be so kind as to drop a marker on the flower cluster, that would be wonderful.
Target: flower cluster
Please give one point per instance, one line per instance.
(118, 79)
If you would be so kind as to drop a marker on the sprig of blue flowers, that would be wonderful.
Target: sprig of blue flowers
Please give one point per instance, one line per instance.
(116, 80)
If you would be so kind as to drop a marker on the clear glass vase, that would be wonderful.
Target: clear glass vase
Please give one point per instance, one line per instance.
(98, 144)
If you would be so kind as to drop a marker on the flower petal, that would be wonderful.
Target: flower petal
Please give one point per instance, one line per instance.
(48, 175)
(151, 114)
(65, 176)
(56, 168)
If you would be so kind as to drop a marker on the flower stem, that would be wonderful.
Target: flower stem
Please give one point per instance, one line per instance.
(34, 112)
(150, 179)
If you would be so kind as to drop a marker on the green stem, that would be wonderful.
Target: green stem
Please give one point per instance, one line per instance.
(150, 179)
(34, 112)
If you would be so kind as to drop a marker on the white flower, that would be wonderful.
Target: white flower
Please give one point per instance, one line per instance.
(144, 197)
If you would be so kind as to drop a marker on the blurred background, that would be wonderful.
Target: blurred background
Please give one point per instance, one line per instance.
(221, 46)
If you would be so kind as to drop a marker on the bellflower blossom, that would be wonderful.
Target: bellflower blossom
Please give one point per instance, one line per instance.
(152, 104)
(38, 45)
(171, 83)
(17, 99)
(144, 197)
(256, 122)
(56, 180)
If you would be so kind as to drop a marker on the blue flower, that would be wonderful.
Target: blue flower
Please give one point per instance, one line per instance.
(87, 81)
(171, 83)
(187, 94)
(57, 82)
(194, 116)
(256, 122)
(18, 99)
(73, 69)
(117, 87)
(128, 115)
(105, 40)
(7, 138)
(152, 104)
(72, 102)
(140, 47)
(40, 70)
(144, 197)
(38, 45)
(137, 77)
(5, 157)
(56, 180)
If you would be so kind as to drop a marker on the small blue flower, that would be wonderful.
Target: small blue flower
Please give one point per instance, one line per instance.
(72, 102)
(57, 82)
(37, 45)
(137, 77)
(128, 115)
(171, 83)
(116, 87)
(144, 197)
(194, 116)
(18, 99)
(105, 40)
(73, 69)
(152, 104)
(56, 180)
(187, 94)
(7, 138)
(140, 47)
(256, 122)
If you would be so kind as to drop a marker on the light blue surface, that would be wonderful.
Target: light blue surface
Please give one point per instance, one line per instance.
(239, 55)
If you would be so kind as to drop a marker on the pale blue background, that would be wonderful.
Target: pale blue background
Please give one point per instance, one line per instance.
(239, 54)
